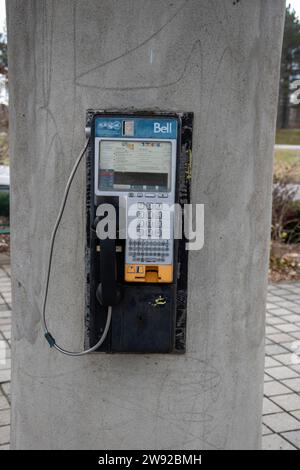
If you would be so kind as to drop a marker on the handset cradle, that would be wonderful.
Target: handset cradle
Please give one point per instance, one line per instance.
(108, 292)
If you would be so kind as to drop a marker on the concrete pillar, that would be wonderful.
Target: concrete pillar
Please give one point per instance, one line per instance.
(219, 59)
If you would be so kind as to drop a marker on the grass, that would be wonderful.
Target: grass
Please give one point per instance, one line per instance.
(288, 136)
(287, 165)
(4, 157)
(287, 162)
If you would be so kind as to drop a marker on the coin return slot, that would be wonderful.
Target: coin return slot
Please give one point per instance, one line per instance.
(151, 274)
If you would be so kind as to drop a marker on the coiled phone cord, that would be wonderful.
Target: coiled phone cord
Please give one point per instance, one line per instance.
(48, 335)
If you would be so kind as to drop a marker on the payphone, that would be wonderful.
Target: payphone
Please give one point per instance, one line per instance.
(138, 171)
(140, 163)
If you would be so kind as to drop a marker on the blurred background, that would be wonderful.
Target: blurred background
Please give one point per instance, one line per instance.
(285, 231)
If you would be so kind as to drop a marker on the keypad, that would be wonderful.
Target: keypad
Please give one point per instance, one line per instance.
(150, 243)
(149, 250)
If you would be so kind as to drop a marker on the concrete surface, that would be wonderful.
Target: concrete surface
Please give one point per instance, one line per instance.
(219, 59)
(281, 406)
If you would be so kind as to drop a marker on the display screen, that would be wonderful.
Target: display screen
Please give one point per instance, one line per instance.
(134, 165)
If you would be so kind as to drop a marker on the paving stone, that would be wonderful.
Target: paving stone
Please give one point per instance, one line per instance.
(5, 313)
(7, 353)
(295, 308)
(4, 405)
(6, 388)
(275, 388)
(268, 407)
(265, 430)
(271, 362)
(278, 291)
(282, 312)
(296, 367)
(5, 365)
(293, 437)
(5, 328)
(270, 330)
(275, 442)
(272, 349)
(4, 435)
(290, 346)
(4, 417)
(292, 297)
(294, 384)
(282, 294)
(296, 334)
(273, 298)
(278, 321)
(280, 337)
(296, 414)
(2, 307)
(267, 378)
(270, 306)
(4, 376)
(286, 359)
(288, 327)
(292, 318)
(281, 422)
(290, 402)
(282, 372)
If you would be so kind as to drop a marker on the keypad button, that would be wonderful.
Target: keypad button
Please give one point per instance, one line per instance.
(141, 205)
(149, 194)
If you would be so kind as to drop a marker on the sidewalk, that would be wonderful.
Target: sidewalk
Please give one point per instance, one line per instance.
(5, 326)
(281, 413)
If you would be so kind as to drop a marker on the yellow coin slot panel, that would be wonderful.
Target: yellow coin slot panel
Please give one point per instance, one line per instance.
(149, 273)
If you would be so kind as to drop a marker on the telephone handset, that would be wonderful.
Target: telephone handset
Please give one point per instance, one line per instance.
(108, 292)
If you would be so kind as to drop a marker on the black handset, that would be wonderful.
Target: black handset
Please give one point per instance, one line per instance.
(108, 292)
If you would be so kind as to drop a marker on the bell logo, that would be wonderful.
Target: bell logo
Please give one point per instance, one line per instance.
(159, 129)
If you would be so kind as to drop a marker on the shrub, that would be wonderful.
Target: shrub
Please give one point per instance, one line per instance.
(4, 204)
